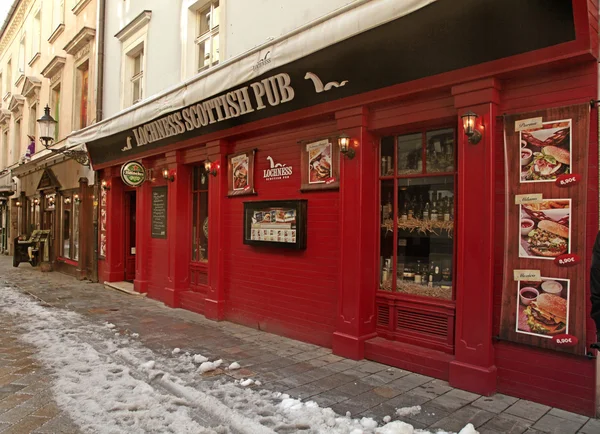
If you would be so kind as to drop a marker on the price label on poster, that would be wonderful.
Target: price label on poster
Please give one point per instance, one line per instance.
(565, 340)
(567, 260)
(568, 180)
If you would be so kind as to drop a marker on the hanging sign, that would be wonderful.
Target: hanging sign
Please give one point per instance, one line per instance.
(133, 173)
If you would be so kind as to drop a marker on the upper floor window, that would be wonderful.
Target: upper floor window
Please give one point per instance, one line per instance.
(8, 76)
(207, 36)
(80, 115)
(22, 56)
(58, 13)
(36, 35)
(137, 74)
(55, 105)
(133, 38)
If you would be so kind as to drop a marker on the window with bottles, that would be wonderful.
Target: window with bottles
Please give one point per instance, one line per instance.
(199, 214)
(417, 207)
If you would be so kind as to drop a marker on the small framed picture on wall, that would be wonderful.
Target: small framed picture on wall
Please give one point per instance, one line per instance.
(320, 165)
(240, 173)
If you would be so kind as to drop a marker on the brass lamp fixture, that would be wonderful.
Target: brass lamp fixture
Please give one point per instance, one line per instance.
(345, 149)
(469, 127)
(168, 176)
(210, 167)
(105, 185)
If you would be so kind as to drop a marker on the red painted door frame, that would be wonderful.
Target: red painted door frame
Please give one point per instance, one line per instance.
(130, 258)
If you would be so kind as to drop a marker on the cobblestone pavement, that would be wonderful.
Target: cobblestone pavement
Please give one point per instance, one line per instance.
(302, 370)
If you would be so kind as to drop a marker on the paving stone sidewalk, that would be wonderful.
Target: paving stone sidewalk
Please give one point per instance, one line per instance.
(302, 370)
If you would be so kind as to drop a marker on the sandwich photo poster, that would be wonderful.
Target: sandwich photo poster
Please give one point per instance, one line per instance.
(240, 173)
(545, 151)
(545, 230)
(543, 307)
(320, 165)
(544, 220)
(320, 169)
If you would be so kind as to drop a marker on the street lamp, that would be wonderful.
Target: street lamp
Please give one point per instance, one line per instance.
(47, 127)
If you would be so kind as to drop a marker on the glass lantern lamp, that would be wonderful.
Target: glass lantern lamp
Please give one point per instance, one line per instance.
(47, 126)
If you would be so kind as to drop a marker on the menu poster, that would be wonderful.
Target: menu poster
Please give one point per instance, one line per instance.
(544, 221)
(275, 223)
(320, 162)
(159, 212)
(240, 173)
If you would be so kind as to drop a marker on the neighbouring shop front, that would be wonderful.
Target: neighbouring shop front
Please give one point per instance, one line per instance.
(56, 197)
(411, 203)
(6, 191)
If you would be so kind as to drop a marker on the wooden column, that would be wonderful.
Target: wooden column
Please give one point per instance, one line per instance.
(474, 367)
(355, 317)
(114, 269)
(142, 234)
(217, 193)
(178, 228)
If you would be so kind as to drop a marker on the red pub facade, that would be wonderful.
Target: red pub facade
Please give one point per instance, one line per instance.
(396, 249)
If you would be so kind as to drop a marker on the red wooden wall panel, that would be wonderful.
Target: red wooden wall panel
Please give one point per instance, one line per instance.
(283, 291)
(554, 379)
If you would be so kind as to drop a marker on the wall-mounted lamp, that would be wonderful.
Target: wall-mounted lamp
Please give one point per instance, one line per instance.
(18, 203)
(210, 167)
(36, 201)
(168, 176)
(469, 127)
(344, 143)
(105, 186)
(50, 200)
(76, 198)
(67, 200)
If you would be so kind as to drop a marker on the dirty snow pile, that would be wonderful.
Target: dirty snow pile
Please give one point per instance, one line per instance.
(113, 384)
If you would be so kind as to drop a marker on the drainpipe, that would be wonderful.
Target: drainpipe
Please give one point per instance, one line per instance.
(100, 13)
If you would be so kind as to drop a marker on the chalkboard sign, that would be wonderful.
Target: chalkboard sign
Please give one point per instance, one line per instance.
(159, 212)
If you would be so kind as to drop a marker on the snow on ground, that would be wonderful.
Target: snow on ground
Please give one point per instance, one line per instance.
(113, 384)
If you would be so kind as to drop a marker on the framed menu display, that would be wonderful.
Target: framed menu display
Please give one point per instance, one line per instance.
(240, 173)
(276, 223)
(544, 287)
(159, 212)
(320, 162)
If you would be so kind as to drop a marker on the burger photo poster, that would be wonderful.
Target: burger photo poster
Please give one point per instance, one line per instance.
(545, 230)
(544, 223)
(545, 151)
(543, 307)
(320, 167)
(240, 173)
(320, 162)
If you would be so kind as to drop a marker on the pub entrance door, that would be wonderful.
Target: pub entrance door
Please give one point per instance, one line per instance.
(130, 211)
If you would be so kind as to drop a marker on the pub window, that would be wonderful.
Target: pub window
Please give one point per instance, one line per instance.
(199, 214)
(417, 209)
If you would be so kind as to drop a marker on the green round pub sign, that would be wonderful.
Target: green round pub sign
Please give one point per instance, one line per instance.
(133, 173)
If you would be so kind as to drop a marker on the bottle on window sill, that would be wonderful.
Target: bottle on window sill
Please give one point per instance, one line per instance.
(434, 211)
(418, 275)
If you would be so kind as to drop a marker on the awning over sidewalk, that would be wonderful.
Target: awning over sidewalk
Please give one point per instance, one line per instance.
(308, 39)
(371, 46)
